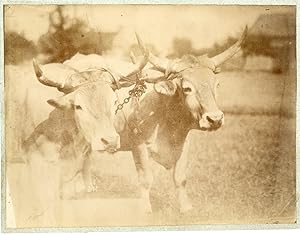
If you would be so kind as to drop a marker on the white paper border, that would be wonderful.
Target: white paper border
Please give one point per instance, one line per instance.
(146, 228)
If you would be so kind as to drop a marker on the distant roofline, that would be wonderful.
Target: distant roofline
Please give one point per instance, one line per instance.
(277, 25)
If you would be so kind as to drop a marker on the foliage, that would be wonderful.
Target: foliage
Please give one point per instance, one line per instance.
(259, 45)
(17, 48)
(253, 45)
(183, 46)
(66, 37)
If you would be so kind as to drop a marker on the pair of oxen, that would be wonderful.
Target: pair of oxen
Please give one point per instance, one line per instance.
(180, 96)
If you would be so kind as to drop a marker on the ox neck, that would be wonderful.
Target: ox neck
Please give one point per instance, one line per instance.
(177, 113)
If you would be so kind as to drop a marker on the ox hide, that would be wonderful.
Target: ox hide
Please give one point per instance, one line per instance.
(93, 61)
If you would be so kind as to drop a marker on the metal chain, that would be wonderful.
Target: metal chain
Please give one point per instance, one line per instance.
(136, 92)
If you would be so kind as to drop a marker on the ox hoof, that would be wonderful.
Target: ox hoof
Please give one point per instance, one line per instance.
(186, 208)
(146, 207)
(92, 188)
(148, 210)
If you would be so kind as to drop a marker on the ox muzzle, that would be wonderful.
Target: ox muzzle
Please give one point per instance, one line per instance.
(106, 142)
(211, 120)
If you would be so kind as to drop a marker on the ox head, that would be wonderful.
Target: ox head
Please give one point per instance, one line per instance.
(92, 105)
(194, 80)
(91, 96)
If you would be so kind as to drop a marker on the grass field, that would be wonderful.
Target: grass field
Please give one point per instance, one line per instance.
(242, 173)
(256, 93)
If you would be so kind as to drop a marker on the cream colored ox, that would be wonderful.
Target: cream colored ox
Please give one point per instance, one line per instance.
(58, 141)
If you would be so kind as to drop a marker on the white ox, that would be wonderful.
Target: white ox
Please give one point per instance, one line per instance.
(82, 120)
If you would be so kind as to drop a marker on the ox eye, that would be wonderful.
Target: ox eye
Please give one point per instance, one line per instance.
(187, 90)
(77, 107)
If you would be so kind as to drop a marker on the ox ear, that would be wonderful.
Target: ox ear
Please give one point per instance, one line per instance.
(63, 102)
(167, 87)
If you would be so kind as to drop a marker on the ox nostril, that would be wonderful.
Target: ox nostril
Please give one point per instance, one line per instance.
(187, 89)
(209, 119)
(105, 142)
(110, 141)
(215, 119)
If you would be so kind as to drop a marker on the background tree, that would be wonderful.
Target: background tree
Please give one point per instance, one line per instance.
(66, 37)
(181, 46)
(17, 48)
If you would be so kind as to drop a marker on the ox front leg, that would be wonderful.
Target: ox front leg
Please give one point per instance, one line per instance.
(142, 163)
(179, 177)
(84, 164)
(89, 180)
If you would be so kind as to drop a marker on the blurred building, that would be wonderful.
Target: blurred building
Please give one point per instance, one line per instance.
(272, 38)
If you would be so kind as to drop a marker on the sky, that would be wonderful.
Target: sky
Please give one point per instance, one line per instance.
(157, 24)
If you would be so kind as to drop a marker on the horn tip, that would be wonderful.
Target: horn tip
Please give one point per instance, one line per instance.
(140, 42)
(137, 35)
(132, 56)
(34, 63)
(37, 68)
(245, 32)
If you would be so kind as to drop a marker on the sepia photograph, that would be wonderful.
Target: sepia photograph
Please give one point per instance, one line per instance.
(148, 115)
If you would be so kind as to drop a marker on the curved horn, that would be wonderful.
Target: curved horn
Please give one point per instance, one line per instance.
(139, 66)
(42, 78)
(66, 79)
(227, 54)
(132, 57)
(155, 61)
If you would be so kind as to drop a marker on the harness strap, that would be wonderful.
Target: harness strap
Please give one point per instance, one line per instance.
(114, 75)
